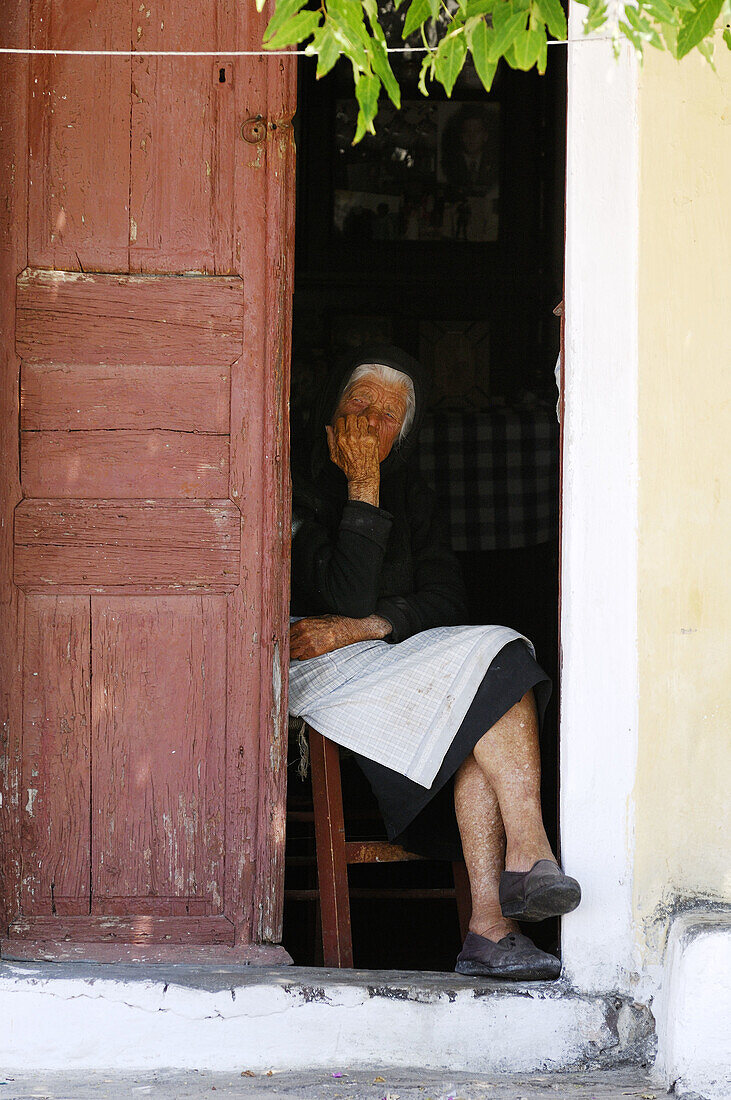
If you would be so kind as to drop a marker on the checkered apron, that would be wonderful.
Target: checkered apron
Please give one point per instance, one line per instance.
(402, 704)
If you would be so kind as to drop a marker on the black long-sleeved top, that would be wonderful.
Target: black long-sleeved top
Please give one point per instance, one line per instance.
(350, 558)
(397, 566)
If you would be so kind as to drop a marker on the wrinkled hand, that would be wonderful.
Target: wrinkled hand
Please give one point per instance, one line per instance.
(353, 445)
(319, 634)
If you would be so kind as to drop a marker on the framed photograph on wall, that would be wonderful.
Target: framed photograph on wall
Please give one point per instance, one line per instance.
(430, 173)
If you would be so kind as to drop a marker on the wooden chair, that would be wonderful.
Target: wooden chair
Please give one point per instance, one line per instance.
(335, 853)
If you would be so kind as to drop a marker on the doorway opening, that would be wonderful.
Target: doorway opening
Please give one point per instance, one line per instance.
(444, 235)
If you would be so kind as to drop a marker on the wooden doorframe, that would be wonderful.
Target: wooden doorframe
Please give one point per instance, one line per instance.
(268, 898)
(14, 75)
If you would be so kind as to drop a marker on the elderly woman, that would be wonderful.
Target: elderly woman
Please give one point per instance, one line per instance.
(443, 718)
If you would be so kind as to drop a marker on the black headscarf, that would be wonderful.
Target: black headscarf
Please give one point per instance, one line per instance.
(311, 458)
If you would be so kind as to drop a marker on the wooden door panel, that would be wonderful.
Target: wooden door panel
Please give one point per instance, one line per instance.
(76, 321)
(55, 787)
(82, 397)
(124, 464)
(64, 317)
(179, 227)
(191, 140)
(112, 545)
(159, 731)
(140, 929)
(78, 216)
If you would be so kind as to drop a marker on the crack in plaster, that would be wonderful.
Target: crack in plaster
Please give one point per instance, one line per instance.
(252, 1013)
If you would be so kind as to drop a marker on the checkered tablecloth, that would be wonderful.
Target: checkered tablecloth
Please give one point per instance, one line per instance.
(496, 475)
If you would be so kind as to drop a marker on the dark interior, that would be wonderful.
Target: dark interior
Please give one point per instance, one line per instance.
(394, 245)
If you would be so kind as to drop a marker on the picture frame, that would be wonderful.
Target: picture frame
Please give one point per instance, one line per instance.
(431, 173)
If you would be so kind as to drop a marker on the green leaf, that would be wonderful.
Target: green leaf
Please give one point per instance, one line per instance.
(508, 25)
(644, 27)
(427, 69)
(349, 14)
(662, 11)
(284, 10)
(640, 22)
(457, 20)
(418, 13)
(450, 58)
(596, 16)
(349, 45)
(630, 34)
(326, 48)
(367, 87)
(479, 40)
(382, 67)
(481, 7)
(555, 17)
(542, 60)
(695, 26)
(346, 20)
(295, 30)
(509, 56)
(727, 36)
(527, 48)
(371, 9)
(379, 54)
(705, 49)
(670, 35)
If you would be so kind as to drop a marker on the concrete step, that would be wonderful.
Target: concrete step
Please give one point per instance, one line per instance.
(74, 1017)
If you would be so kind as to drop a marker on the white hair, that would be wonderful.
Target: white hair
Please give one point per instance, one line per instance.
(391, 377)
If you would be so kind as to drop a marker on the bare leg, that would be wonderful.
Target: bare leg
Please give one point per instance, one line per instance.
(483, 844)
(509, 758)
(497, 791)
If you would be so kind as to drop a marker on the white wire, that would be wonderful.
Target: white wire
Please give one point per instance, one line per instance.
(234, 53)
(154, 53)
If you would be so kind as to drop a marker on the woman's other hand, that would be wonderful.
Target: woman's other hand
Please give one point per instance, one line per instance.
(353, 445)
(320, 634)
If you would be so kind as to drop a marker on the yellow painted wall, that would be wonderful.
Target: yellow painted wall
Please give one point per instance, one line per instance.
(683, 787)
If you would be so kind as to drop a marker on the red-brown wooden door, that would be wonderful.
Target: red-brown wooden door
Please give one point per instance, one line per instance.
(146, 290)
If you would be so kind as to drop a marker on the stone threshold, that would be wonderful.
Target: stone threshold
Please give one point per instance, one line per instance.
(335, 1083)
(226, 1018)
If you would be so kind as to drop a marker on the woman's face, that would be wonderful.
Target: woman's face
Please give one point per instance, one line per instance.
(382, 404)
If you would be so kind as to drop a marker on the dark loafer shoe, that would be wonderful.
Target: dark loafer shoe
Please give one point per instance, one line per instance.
(514, 957)
(544, 891)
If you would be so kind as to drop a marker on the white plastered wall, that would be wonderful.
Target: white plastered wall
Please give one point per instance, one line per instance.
(599, 686)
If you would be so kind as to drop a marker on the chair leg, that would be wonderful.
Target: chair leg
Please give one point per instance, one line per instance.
(463, 896)
(332, 868)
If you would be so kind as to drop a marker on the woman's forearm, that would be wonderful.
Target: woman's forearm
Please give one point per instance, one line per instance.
(318, 634)
(374, 627)
(368, 491)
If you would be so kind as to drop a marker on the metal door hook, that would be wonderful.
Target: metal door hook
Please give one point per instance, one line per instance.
(254, 130)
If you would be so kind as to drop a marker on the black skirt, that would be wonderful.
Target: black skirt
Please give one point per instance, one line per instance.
(423, 820)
